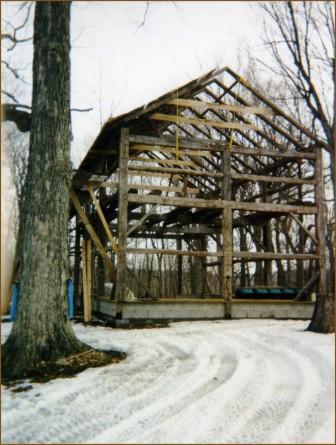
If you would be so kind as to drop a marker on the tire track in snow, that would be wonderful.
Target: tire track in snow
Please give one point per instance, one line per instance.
(200, 382)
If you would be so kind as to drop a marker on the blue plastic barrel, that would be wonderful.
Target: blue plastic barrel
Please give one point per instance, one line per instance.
(275, 293)
(244, 293)
(70, 293)
(289, 293)
(261, 294)
(14, 301)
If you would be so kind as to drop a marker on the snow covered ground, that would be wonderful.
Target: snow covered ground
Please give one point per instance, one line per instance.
(248, 381)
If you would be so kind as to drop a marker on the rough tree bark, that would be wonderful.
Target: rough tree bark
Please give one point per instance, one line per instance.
(41, 331)
(301, 38)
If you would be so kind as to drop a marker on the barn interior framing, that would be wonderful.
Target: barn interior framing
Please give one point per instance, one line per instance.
(212, 175)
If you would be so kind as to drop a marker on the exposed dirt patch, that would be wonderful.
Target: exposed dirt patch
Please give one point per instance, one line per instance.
(66, 367)
(124, 324)
(22, 388)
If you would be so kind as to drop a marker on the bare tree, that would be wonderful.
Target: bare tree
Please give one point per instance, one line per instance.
(301, 40)
(42, 331)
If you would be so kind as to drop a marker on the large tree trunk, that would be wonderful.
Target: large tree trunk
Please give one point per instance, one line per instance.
(41, 331)
(323, 320)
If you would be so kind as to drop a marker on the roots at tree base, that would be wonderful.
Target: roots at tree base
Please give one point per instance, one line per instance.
(29, 356)
(323, 319)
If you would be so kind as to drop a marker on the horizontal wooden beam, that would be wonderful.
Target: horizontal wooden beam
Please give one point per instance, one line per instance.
(212, 106)
(235, 150)
(273, 153)
(212, 146)
(175, 230)
(282, 179)
(190, 143)
(221, 204)
(195, 121)
(241, 255)
(197, 253)
(275, 256)
(163, 161)
(172, 171)
(162, 188)
(152, 174)
(169, 150)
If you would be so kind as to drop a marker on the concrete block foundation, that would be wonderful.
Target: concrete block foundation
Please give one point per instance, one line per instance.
(202, 309)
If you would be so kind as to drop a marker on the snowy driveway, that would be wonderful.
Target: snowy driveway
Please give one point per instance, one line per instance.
(245, 381)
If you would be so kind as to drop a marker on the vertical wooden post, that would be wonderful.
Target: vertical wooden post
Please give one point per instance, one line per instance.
(179, 267)
(122, 220)
(89, 278)
(321, 248)
(77, 263)
(226, 271)
(204, 247)
(300, 279)
(267, 241)
(84, 279)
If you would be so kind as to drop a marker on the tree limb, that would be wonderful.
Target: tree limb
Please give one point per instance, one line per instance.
(12, 113)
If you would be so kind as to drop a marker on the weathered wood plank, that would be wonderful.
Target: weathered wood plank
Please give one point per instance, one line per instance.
(220, 204)
(122, 221)
(179, 268)
(179, 171)
(84, 281)
(197, 253)
(214, 145)
(115, 185)
(189, 143)
(320, 225)
(208, 122)
(172, 150)
(89, 281)
(275, 256)
(162, 161)
(152, 174)
(242, 255)
(226, 268)
(273, 153)
(243, 177)
(212, 106)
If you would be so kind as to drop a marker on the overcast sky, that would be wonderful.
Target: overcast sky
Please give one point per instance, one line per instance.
(118, 65)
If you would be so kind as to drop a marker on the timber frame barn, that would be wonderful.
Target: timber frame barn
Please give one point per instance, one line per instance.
(213, 170)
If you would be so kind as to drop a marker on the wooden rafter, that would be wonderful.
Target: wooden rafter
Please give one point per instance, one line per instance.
(200, 105)
(206, 122)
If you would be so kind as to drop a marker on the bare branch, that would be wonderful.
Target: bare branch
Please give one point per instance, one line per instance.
(14, 36)
(81, 110)
(22, 119)
(144, 16)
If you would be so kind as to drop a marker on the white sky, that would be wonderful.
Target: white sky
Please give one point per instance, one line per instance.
(117, 66)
